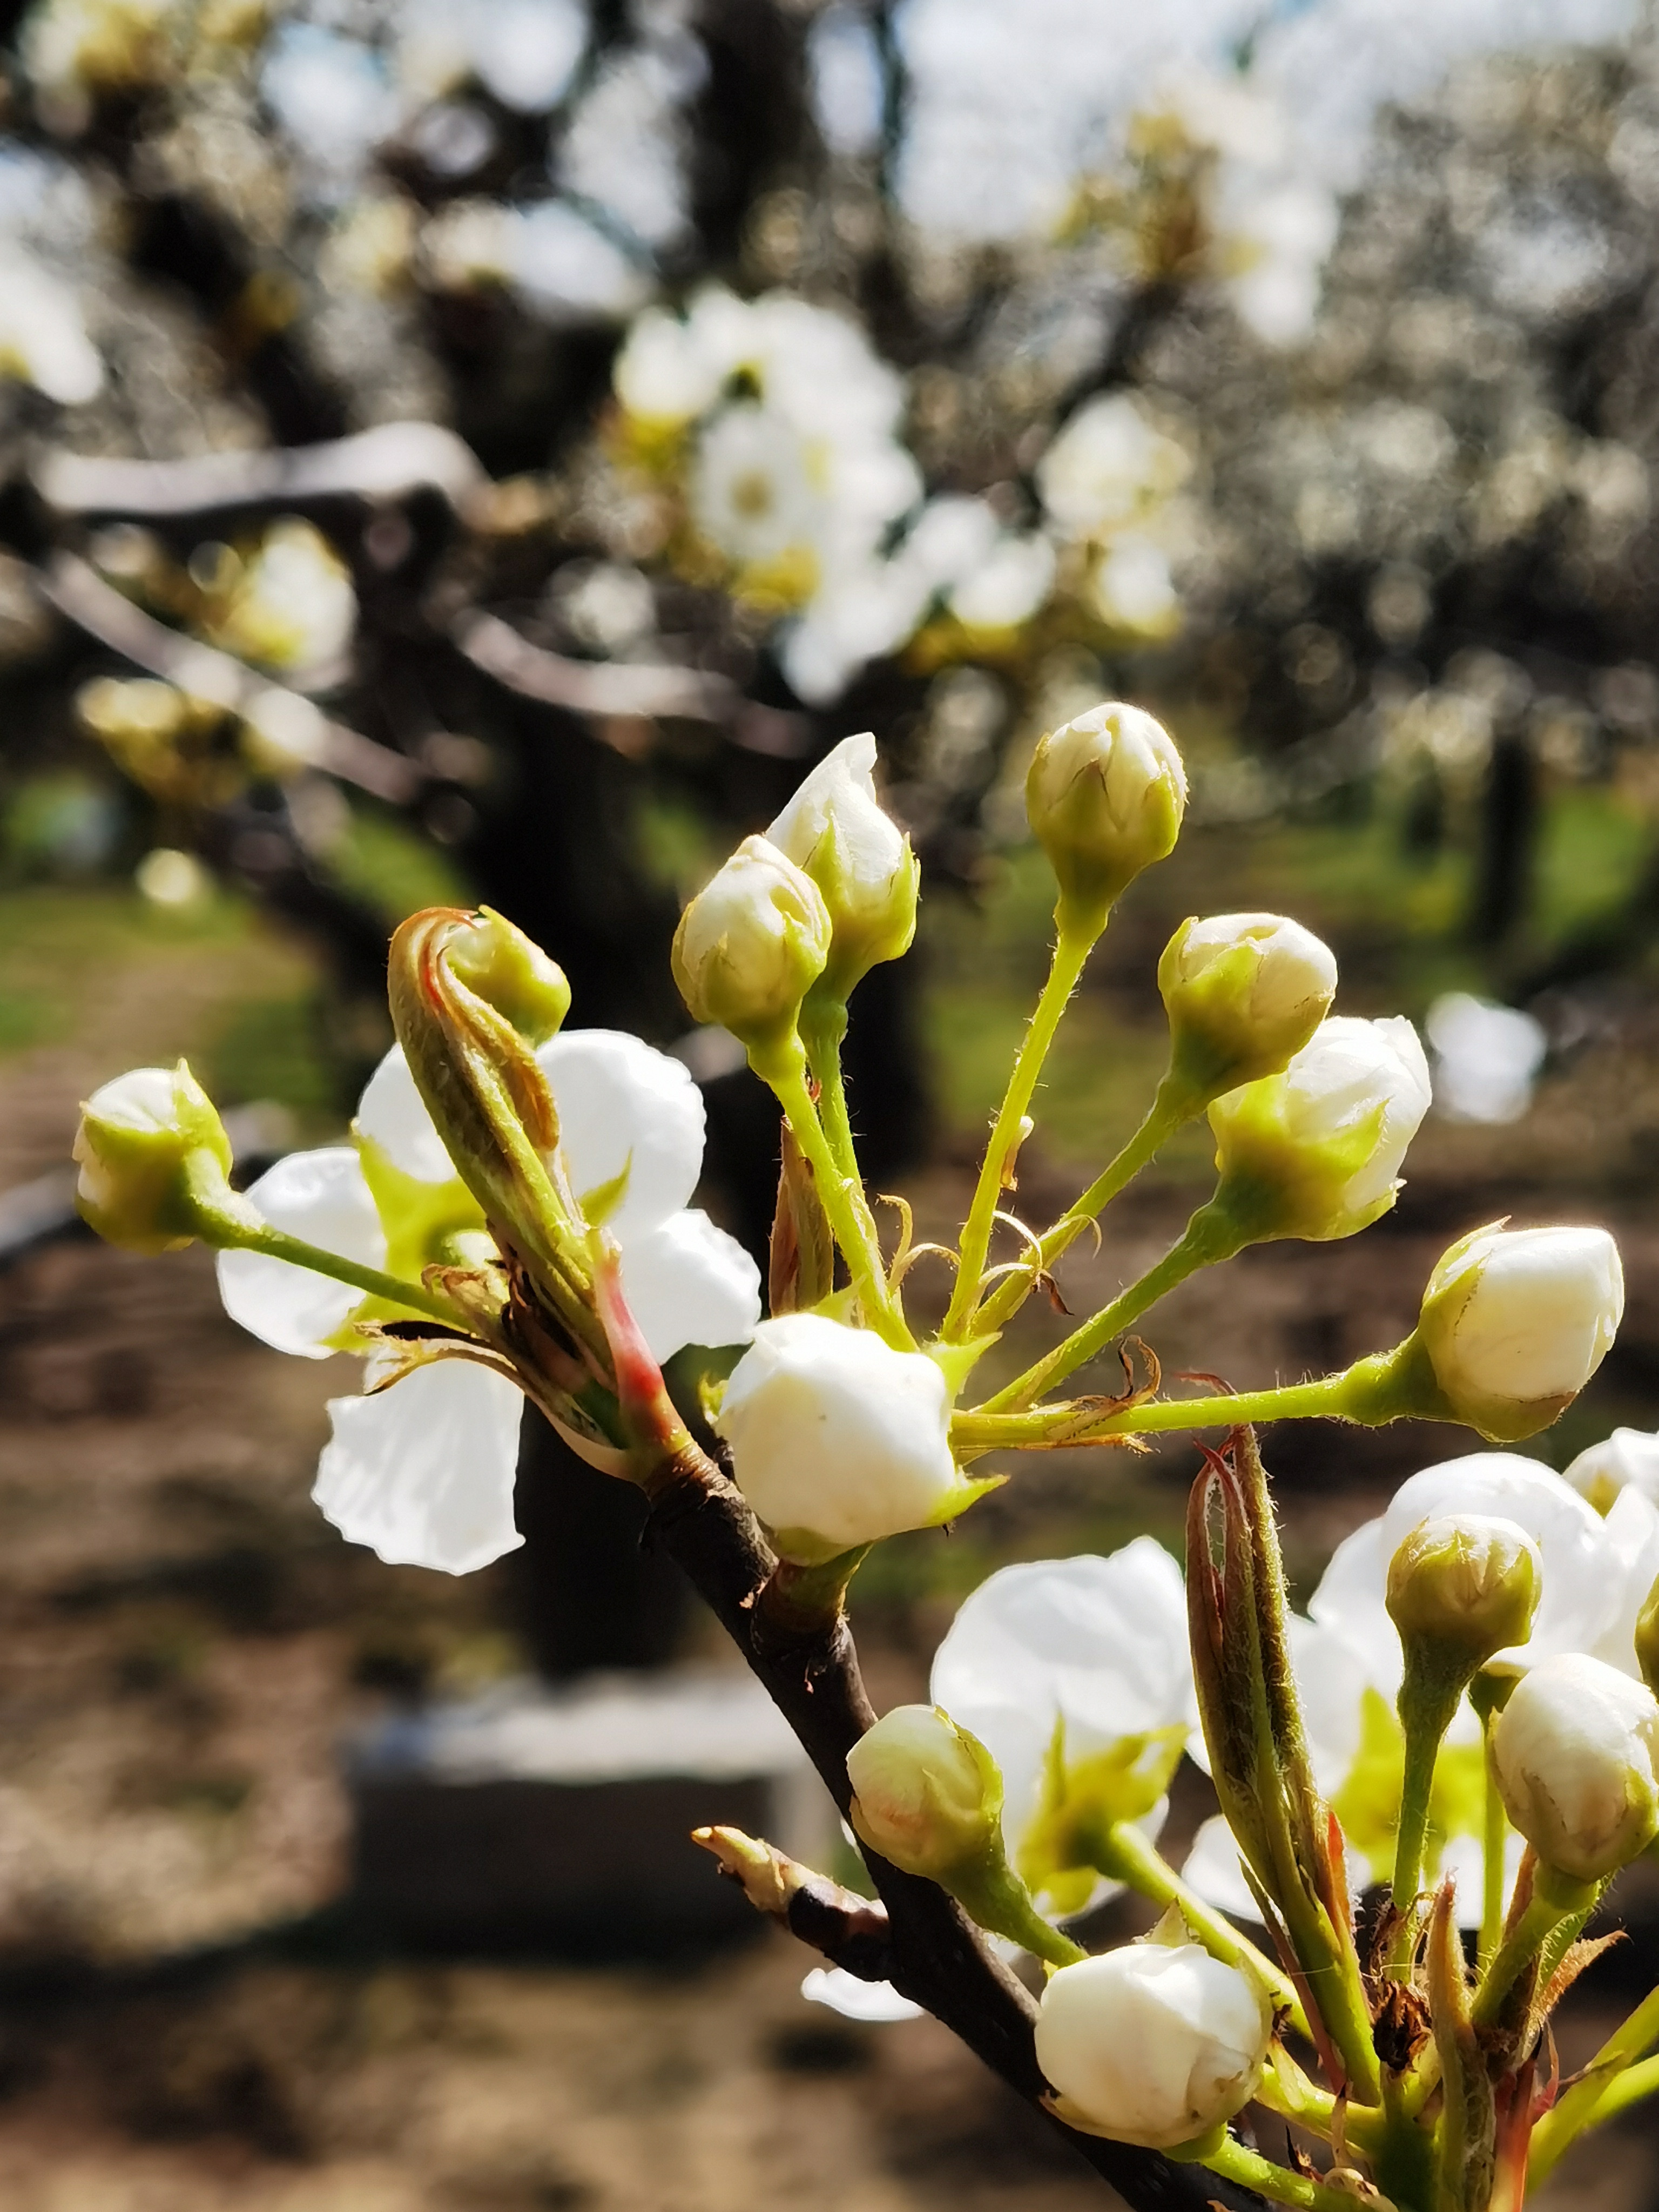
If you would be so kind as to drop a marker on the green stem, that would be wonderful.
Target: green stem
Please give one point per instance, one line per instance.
(994, 1898)
(824, 1031)
(1168, 1111)
(1233, 2162)
(843, 1201)
(1608, 2076)
(1125, 1853)
(1428, 1699)
(1558, 1905)
(1208, 1237)
(1494, 1836)
(276, 1244)
(1072, 949)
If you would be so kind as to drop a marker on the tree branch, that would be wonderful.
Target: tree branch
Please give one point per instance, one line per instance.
(939, 1959)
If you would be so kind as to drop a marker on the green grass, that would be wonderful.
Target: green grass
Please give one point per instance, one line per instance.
(396, 870)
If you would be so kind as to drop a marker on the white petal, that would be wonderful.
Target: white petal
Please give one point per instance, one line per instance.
(1633, 1545)
(422, 1472)
(392, 1114)
(688, 1282)
(1216, 1871)
(323, 1197)
(625, 1108)
(854, 1999)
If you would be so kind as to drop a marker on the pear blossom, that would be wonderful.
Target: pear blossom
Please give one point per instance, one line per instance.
(292, 606)
(924, 1794)
(1576, 1752)
(134, 1146)
(751, 944)
(1152, 2044)
(631, 1131)
(1516, 1322)
(1105, 797)
(1627, 1459)
(836, 1439)
(1244, 992)
(835, 828)
(1327, 1136)
(1064, 1659)
(1108, 467)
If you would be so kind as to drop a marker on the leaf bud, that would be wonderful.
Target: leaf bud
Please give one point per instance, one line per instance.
(1104, 796)
(835, 828)
(510, 973)
(1244, 992)
(1152, 2044)
(1576, 1752)
(925, 1795)
(1466, 1585)
(153, 1157)
(751, 945)
(1516, 1322)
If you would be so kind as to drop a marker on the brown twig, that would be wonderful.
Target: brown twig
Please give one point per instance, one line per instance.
(939, 1959)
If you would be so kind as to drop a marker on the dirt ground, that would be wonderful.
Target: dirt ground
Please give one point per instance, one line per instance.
(184, 2027)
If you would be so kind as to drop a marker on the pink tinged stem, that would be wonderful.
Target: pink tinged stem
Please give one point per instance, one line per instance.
(647, 1411)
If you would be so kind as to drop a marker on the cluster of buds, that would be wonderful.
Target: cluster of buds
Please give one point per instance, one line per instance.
(513, 1218)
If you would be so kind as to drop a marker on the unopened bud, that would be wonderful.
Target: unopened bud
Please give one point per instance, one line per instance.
(1105, 795)
(1516, 1322)
(1576, 1752)
(1316, 1152)
(751, 944)
(511, 974)
(1647, 1639)
(1244, 992)
(1152, 2044)
(1466, 1585)
(925, 1795)
(838, 1439)
(150, 1149)
(860, 859)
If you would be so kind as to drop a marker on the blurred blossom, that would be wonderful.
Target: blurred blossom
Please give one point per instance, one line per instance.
(625, 150)
(845, 74)
(560, 266)
(1133, 589)
(168, 877)
(333, 97)
(1487, 1058)
(71, 48)
(525, 53)
(607, 605)
(1108, 465)
(291, 606)
(43, 337)
(454, 137)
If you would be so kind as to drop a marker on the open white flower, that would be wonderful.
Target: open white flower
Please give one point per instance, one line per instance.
(1067, 1659)
(1627, 1459)
(631, 1129)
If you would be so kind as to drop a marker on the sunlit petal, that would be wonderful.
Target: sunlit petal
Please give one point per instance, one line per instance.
(321, 1196)
(392, 1114)
(630, 1125)
(854, 1999)
(688, 1282)
(422, 1472)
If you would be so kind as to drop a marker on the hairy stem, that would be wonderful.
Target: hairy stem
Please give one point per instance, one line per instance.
(841, 1197)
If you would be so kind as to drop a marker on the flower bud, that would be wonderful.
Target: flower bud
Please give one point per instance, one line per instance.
(1104, 796)
(751, 944)
(1627, 1459)
(859, 858)
(837, 1439)
(1515, 1321)
(1466, 1584)
(927, 1794)
(1316, 1152)
(151, 1148)
(510, 973)
(1647, 1639)
(1152, 2044)
(1575, 1750)
(1244, 992)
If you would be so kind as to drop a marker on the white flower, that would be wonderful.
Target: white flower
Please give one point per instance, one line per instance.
(1133, 588)
(1243, 992)
(751, 944)
(753, 489)
(1515, 1321)
(422, 1472)
(43, 337)
(1631, 1537)
(1487, 1058)
(293, 605)
(1108, 467)
(1329, 1135)
(631, 1129)
(861, 860)
(836, 1438)
(1575, 1752)
(1627, 1459)
(1072, 1654)
(1152, 2044)
(1007, 587)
